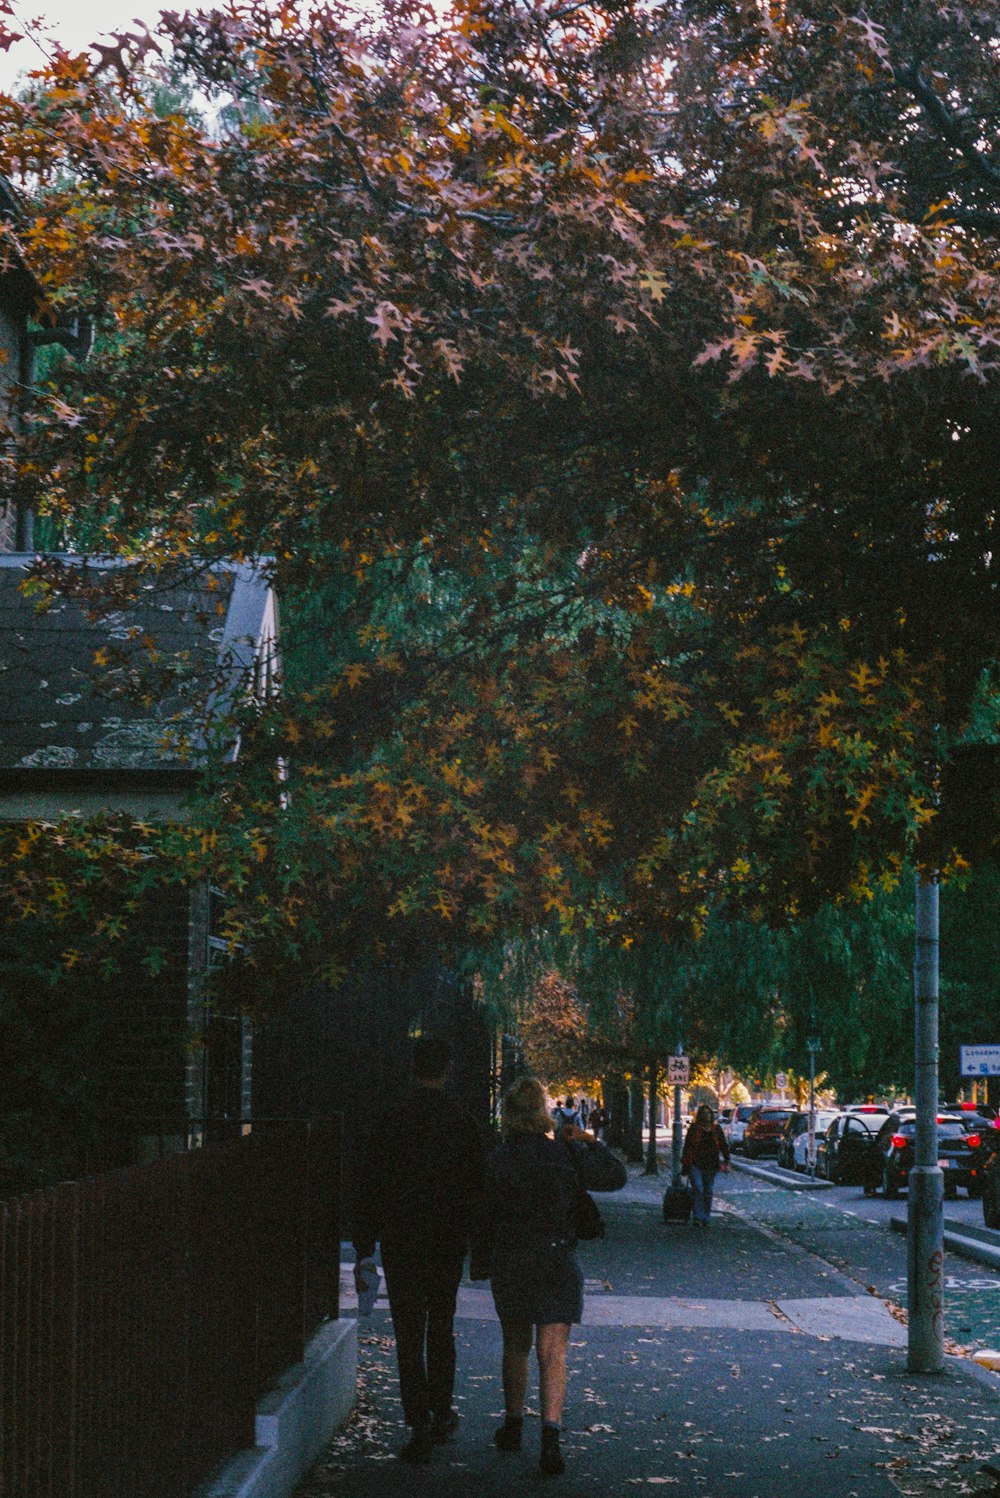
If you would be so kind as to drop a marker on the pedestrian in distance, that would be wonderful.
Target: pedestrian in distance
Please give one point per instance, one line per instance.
(418, 1192)
(705, 1153)
(533, 1184)
(598, 1120)
(566, 1113)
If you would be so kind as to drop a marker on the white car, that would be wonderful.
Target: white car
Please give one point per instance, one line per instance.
(800, 1148)
(737, 1126)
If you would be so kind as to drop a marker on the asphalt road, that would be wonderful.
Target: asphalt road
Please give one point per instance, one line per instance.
(851, 1232)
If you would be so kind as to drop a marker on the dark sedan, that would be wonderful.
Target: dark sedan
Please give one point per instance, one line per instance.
(844, 1153)
(958, 1148)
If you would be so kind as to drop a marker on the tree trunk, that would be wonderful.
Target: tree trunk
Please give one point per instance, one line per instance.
(616, 1102)
(633, 1137)
(651, 1168)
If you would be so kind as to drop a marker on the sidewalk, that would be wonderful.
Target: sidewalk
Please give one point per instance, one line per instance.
(724, 1362)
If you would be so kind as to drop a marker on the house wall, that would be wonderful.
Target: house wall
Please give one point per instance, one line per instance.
(147, 1007)
(23, 803)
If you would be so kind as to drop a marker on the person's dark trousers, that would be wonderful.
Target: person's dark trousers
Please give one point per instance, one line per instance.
(702, 1182)
(422, 1289)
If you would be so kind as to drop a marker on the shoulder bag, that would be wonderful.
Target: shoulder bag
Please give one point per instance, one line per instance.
(587, 1220)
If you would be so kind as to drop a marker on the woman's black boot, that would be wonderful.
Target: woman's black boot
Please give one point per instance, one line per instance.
(551, 1460)
(508, 1436)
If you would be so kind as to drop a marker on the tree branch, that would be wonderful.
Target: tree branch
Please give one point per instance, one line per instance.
(952, 130)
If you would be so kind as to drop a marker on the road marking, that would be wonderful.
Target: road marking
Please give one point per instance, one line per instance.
(952, 1282)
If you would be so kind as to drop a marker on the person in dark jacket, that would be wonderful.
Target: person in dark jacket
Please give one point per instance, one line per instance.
(532, 1184)
(419, 1189)
(705, 1153)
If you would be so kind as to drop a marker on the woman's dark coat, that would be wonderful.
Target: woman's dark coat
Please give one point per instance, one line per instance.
(532, 1183)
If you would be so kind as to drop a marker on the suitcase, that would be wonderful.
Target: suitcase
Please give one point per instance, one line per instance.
(677, 1203)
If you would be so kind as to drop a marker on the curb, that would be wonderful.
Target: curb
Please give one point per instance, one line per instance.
(971, 1369)
(779, 1177)
(959, 1243)
(295, 1420)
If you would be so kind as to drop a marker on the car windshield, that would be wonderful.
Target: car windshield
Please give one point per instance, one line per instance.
(774, 1115)
(743, 1114)
(948, 1128)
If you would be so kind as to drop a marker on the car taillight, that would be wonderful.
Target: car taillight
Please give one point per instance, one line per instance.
(899, 1141)
(973, 1141)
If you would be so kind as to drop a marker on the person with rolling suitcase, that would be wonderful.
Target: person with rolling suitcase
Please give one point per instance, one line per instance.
(706, 1152)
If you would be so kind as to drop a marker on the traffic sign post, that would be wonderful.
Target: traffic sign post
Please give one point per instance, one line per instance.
(925, 1182)
(813, 1046)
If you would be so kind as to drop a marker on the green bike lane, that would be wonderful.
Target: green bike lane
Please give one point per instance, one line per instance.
(833, 1225)
(736, 1360)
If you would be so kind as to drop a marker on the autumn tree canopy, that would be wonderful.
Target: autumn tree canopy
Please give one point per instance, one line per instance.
(613, 388)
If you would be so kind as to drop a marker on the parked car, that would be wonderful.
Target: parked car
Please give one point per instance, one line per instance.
(763, 1130)
(868, 1109)
(845, 1150)
(958, 1149)
(980, 1115)
(798, 1123)
(800, 1149)
(988, 1167)
(736, 1127)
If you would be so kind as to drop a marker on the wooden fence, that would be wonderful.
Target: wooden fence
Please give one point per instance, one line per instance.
(143, 1312)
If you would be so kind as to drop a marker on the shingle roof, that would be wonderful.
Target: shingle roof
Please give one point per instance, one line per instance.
(129, 690)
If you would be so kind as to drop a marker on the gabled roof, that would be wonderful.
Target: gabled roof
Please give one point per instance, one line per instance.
(87, 698)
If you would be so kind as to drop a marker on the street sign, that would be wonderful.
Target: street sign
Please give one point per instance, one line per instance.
(679, 1071)
(781, 1081)
(980, 1060)
(814, 1045)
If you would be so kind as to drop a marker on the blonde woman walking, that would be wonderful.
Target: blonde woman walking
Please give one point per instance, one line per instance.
(533, 1182)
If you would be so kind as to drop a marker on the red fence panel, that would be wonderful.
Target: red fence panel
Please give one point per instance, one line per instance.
(143, 1312)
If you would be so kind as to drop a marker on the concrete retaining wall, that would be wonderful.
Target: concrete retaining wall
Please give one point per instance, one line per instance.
(295, 1420)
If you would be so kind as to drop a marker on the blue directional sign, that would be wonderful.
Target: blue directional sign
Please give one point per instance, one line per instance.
(980, 1060)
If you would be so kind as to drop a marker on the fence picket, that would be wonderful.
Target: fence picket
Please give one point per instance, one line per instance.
(142, 1312)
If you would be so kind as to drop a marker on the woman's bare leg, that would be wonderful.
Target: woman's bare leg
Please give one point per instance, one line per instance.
(552, 1342)
(516, 1347)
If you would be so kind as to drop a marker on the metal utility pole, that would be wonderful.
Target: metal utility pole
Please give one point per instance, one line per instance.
(925, 1185)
